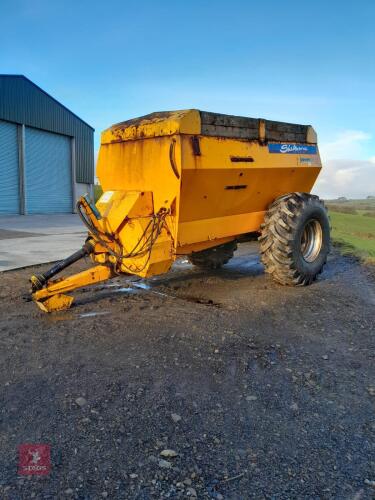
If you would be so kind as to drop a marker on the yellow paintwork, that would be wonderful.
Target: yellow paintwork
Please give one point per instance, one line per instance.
(204, 210)
(52, 297)
(178, 122)
(55, 302)
(149, 169)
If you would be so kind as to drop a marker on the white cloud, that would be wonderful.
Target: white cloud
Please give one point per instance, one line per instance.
(345, 171)
(350, 178)
(347, 144)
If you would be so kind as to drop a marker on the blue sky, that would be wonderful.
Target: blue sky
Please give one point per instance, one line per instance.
(304, 62)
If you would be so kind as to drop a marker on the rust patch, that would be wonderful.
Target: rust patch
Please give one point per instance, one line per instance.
(196, 145)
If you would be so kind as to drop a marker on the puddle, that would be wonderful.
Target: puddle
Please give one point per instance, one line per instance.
(92, 314)
(148, 288)
(135, 287)
(141, 284)
(138, 286)
(145, 286)
(245, 265)
(126, 289)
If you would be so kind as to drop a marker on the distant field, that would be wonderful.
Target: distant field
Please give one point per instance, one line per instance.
(353, 227)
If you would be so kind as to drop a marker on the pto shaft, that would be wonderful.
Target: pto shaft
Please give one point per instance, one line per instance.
(38, 281)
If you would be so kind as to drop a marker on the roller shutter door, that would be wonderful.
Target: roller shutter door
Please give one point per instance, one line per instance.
(48, 172)
(9, 175)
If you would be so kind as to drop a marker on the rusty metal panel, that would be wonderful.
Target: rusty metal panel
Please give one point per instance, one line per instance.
(220, 125)
(288, 132)
(240, 127)
(204, 123)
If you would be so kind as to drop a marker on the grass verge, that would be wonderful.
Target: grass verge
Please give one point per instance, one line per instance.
(354, 234)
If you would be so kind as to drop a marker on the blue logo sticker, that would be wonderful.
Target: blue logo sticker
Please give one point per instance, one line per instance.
(292, 149)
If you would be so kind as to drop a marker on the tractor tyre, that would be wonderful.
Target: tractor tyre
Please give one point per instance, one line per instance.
(295, 239)
(215, 257)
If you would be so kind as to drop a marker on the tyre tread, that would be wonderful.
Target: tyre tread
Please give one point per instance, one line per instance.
(213, 258)
(277, 238)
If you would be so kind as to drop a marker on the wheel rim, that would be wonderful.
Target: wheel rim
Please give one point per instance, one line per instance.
(311, 240)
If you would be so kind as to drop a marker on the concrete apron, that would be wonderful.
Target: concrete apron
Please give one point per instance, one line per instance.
(27, 240)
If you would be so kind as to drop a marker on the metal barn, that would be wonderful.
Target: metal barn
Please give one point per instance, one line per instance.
(46, 151)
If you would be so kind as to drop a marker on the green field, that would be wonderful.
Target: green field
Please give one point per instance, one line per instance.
(353, 227)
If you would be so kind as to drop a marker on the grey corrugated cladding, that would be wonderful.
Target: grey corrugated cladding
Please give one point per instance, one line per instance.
(21, 101)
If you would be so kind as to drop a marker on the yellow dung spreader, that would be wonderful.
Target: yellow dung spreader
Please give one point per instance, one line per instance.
(197, 183)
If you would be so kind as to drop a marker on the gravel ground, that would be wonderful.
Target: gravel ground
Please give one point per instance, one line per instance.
(211, 385)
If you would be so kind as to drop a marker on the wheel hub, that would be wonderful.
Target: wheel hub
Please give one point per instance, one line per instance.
(311, 240)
